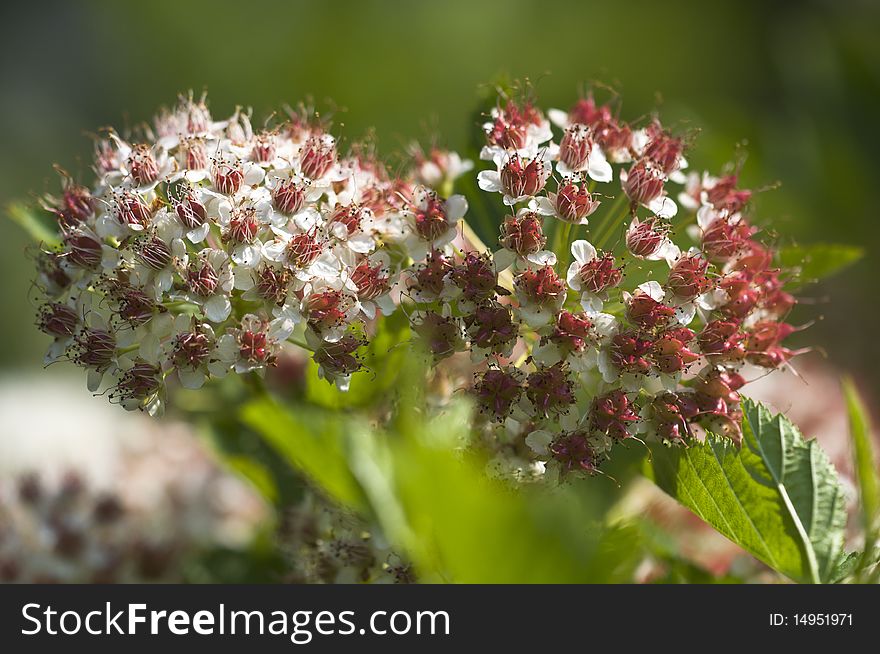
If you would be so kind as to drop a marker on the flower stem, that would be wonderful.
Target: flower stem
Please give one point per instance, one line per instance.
(613, 218)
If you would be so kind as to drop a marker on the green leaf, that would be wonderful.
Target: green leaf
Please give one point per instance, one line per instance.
(778, 496)
(815, 262)
(314, 441)
(40, 230)
(438, 506)
(865, 465)
(463, 527)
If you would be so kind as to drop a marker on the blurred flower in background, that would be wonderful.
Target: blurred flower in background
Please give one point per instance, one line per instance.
(88, 495)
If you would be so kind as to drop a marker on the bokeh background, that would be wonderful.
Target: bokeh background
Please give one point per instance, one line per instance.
(798, 82)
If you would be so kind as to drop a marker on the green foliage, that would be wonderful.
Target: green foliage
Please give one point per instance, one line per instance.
(434, 501)
(865, 465)
(777, 496)
(818, 261)
(313, 441)
(38, 228)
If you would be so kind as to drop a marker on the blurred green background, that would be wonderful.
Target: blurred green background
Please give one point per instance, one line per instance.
(800, 82)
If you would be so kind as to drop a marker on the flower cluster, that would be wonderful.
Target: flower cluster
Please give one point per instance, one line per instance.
(203, 246)
(623, 334)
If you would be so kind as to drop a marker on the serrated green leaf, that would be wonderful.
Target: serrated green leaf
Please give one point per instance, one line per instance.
(40, 230)
(814, 262)
(865, 465)
(778, 496)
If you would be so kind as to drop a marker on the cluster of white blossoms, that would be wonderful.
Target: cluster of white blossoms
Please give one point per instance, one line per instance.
(578, 362)
(203, 246)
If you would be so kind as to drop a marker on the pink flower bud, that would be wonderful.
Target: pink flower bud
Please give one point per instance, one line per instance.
(599, 274)
(550, 389)
(521, 181)
(575, 147)
(289, 197)
(643, 239)
(142, 165)
(644, 182)
(687, 277)
(318, 156)
(497, 390)
(523, 234)
(611, 413)
(572, 203)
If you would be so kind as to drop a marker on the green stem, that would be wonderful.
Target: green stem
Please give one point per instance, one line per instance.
(561, 246)
(613, 218)
(300, 341)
